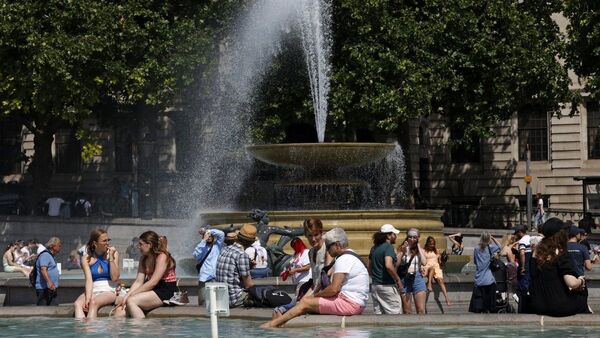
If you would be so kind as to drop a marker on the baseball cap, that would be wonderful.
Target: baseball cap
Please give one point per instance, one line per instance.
(387, 228)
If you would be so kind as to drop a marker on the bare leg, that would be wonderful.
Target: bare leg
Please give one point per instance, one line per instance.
(440, 281)
(406, 303)
(99, 301)
(24, 271)
(79, 304)
(306, 305)
(429, 275)
(137, 304)
(420, 298)
(276, 314)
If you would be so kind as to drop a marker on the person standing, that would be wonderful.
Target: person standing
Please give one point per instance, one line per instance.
(412, 253)
(46, 282)
(539, 216)
(523, 258)
(483, 299)
(206, 254)
(386, 284)
(578, 252)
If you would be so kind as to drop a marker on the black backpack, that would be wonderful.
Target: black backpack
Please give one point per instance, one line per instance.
(34, 273)
(268, 296)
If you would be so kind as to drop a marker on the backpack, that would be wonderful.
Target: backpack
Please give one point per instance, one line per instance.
(34, 273)
(268, 296)
(80, 208)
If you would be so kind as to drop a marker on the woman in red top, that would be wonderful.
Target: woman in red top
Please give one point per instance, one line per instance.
(156, 280)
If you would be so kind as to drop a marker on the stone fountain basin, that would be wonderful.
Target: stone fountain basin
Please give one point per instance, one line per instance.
(320, 156)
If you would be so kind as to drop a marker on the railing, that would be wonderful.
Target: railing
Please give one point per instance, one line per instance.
(494, 217)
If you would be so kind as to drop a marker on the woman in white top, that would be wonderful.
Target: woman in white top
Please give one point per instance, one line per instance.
(410, 252)
(9, 264)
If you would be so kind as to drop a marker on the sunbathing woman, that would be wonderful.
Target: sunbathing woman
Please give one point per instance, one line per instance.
(432, 269)
(9, 263)
(101, 271)
(156, 280)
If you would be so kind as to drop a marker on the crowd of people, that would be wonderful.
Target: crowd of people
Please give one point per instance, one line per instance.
(544, 270)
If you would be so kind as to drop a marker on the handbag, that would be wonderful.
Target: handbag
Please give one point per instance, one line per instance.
(402, 269)
(495, 263)
(443, 258)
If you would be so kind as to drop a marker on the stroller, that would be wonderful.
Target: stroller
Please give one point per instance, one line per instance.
(502, 283)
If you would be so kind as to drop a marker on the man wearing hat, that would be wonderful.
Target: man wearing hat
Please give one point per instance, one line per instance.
(206, 254)
(386, 284)
(579, 253)
(233, 266)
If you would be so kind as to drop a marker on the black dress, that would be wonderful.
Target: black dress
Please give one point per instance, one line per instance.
(549, 293)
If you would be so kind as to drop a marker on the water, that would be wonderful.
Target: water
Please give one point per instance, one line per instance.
(317, 41)
(194, 327)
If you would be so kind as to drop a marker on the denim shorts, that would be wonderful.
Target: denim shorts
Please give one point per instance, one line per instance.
(414, 283)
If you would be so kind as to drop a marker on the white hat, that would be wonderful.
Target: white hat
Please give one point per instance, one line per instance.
(387, 228)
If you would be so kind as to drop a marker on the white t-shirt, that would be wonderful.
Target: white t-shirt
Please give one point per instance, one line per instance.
(54, 204)
(262, 258)
(356, 284)
(298, 262)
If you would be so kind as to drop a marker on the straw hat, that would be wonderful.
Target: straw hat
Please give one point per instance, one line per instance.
(248, 233)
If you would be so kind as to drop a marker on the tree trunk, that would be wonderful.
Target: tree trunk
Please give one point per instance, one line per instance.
(41, 167)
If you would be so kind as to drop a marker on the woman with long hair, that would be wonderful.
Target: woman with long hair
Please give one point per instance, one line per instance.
(9, 264)
(411, 253)
(483, 299)
(156, 280)
(557, 289)
(100, 265)
(432, 270)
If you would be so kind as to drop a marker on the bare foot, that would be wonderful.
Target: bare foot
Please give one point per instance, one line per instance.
(429, 288)
(266, 325)
(448, 302)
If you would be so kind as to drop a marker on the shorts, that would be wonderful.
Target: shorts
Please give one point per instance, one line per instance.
(414, 283)
(165, 290)
(386, 299)
(339, 305)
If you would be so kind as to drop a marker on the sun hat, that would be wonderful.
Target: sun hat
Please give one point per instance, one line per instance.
(247, 232)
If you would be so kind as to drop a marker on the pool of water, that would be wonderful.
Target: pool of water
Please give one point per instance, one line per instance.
(188, 327)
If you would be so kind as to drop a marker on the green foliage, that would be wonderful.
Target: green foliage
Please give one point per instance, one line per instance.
(89, 145)
(583, 52)
(474, 62)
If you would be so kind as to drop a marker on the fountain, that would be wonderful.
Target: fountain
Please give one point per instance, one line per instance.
(321, 190)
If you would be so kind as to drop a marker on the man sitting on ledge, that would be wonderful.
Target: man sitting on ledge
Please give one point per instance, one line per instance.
(349, 289)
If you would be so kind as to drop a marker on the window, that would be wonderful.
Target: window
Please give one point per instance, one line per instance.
(533, 130)
(68, 152)
(593, 130)
(464, 153)
(10, 147)
(123, 148)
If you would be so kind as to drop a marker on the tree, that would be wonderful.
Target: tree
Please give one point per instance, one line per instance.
(583, 49)
(62, 60)
(475, 62)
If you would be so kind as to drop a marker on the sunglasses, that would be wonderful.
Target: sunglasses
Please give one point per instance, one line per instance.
(328, 246)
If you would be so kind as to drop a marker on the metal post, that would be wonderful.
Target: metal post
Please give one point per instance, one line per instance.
(214, 327)
(528, 187)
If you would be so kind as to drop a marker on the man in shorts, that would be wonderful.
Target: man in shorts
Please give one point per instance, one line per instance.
(348, 292)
